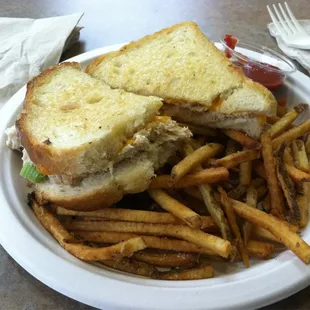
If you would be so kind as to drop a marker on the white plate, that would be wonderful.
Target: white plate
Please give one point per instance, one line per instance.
(36, 251)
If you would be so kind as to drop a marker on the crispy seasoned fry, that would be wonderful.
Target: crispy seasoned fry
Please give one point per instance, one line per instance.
(200, 130)
(194, 160)
(232, 147)
(167, 259)
(260, 249)
(303, 205)
(257, 182)
(282, 107)
(133, 216)
(276, 227)
(259, 169)
(261, 192)
(251, 200)
(194, 192)
(287, 186)
(300, 155)
(53, 226)
(287, 155)
(292, 134)
(238, 192)
(245, 173)
(131, 266)
(161, 243)
(284, 123)
(234, 227)
(273, 119)
(307, 145)
(218, 245)
(202, 272)
(276, 196)
(296, 174)
(262, 233)
(236, 159)
(241, 138)
(265, 234)
(176, 208)
(266, 203)
(215, 210)
(211, 175)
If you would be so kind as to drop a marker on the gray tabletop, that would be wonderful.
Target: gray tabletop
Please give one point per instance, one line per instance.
(109, 22)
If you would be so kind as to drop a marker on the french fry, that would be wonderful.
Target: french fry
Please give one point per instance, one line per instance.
(251, 200)
(234, 227)
(300, 155)
(194, 192)
(238, 192)
(273, 119)
(215, 210)
(201, 140)
(160, 243)
(236, 159)
(176, 208)
(245, 173)
(200, 130)
(202, 272)
(296, 174)
(262, 233)
(210, 176)
(276, 196)
(218, 245)
(291, 134)
(284, 123)
(275, 226)
(131, 266)
(266, 203)
(133, 216)
(194, 159)
(53, 226)
(257, 182)
(287, 186)
(241, 138)
(167, 259)
(307, 145)
(287, 155)
(282, 107)
(259, 169)
(303, 205)
(261, 192)
(231, 148)
(260, 249)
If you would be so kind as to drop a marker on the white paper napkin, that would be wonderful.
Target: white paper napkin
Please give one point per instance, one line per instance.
(29, 46)
(302, 56)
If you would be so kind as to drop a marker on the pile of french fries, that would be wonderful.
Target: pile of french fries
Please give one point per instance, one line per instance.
(224, 196)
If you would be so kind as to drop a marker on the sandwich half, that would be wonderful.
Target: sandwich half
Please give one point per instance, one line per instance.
(196, 81)
(90, 144)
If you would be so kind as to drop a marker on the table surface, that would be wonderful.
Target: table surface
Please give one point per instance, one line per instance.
(109, 22)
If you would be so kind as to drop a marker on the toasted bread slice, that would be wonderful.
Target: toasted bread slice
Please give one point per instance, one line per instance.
(72, 123)
(180, 65)
(129, 176)
(251, 125)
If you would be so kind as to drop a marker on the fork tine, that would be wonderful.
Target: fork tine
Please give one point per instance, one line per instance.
(294, 20)
(288, 20)
(280, 18)
(276, 23)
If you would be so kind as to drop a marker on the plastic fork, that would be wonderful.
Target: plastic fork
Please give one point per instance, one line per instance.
(288, 27)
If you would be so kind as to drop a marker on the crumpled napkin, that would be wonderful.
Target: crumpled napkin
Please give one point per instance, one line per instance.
(29, 46)
(302, 56)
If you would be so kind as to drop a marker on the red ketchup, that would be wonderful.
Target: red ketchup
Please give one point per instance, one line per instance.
(263, 74)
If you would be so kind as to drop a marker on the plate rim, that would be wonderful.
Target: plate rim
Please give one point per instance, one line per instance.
(298, 275)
